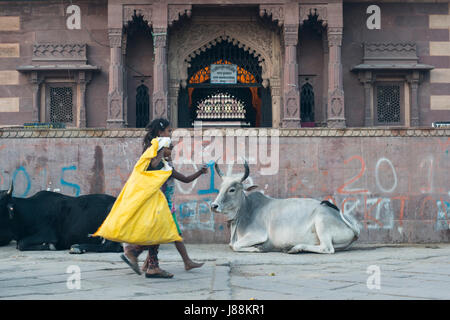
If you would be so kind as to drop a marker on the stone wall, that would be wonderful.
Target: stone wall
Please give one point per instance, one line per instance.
(394, 181)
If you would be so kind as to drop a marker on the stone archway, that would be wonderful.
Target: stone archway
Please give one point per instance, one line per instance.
(192, 38)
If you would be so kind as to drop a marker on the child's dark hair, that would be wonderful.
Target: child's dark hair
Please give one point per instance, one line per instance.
(153, 128)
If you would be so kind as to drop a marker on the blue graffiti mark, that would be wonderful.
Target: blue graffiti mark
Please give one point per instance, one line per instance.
(211, 181)
(27, 177)
(196, 215)
(73, 185)
(443, 215)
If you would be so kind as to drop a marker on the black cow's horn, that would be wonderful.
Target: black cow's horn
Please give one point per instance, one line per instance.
(216, 166)
(11, 189)
(247, 171)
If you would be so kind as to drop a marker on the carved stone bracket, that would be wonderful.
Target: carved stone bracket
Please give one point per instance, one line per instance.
(175, 11)
(335, 36)
(115, 37)
(139, 10)
(290, 35)
(276, 12)
(305, 11)
(159, 37)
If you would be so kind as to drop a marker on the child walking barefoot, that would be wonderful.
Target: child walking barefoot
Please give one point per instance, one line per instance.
(161, 128)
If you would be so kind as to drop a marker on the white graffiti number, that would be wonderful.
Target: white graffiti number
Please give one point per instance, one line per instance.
(374, 280)
(73, 21)
(377, 178)
(74, 280)
(374, 21)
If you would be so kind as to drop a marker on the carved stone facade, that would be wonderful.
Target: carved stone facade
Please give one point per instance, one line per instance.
(288, 39)
(274, 46)
(196, 36)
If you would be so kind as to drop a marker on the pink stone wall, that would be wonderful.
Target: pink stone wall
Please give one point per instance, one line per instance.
(395, 182)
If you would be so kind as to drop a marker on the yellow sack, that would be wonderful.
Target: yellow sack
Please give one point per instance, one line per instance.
(141, 214)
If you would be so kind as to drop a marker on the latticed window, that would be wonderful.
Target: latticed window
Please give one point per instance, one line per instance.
(142, 106)
(220, 106)
(307, 103)
(388, 104)
(61, 104)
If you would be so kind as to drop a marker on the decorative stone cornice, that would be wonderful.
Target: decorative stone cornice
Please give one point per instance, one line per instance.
(305, 11)
(275, 12)
(175, 11)
(144, 10)
(15, 133)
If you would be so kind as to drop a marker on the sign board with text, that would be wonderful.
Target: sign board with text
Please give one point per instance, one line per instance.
(224, 73)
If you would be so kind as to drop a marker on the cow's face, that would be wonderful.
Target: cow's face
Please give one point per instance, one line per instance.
(6, 234)
(231, 194)
(230, 197)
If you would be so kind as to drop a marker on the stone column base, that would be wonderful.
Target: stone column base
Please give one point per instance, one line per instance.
(336, 123)
(114, 124)
(291, 123)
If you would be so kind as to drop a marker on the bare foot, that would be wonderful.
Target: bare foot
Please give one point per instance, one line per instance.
(191, 265)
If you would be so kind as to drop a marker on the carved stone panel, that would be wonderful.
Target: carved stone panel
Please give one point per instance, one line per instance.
(73, 52)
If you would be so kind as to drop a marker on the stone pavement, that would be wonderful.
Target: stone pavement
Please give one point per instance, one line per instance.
(405, 272)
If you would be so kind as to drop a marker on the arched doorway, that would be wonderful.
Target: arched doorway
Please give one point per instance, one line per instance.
(235, 96)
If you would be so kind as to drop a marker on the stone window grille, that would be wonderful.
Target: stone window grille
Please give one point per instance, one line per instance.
(388, 104)
(61, 104)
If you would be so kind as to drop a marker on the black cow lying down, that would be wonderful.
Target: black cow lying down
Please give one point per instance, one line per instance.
(53, 221)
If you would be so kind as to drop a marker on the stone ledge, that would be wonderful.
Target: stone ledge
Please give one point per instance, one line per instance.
(238, 132)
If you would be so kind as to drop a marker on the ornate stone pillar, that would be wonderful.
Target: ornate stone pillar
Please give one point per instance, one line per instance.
(174, 89)
(275, 91)
(116, 114)
(336, 110)
(83, 80)
(160, 84)
(366, 78)
(413, 80)
(326, 52)
(36, 87)
(125, 79)
(291, 94)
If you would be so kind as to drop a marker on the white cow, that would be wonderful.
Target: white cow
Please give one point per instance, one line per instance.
(259, 223)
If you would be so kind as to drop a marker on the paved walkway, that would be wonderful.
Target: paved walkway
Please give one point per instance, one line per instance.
(363, 272)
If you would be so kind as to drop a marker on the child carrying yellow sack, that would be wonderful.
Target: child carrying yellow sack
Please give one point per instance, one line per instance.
(141, 214)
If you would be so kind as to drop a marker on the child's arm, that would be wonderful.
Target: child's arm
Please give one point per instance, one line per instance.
(156, 160)
(192, 177)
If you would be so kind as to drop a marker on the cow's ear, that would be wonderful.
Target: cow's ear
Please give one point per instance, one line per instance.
(251, 188)
(10, 208)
